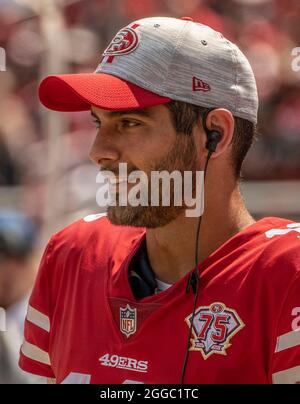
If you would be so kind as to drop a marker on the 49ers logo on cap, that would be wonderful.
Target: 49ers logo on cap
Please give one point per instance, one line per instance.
(212, 329)
(123, 43)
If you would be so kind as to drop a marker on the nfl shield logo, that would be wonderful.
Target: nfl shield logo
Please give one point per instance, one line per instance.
(128, 320)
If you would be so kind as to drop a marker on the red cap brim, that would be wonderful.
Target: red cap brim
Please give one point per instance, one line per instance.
(78, 92)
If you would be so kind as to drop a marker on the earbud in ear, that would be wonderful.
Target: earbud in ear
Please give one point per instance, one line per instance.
(213, 138)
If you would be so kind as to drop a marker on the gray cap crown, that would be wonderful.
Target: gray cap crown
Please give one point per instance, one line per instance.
(185, 61)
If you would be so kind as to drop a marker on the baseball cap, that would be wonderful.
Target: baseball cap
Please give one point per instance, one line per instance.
(155, 60)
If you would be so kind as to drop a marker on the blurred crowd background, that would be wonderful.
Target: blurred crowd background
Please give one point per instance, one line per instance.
(45, 175)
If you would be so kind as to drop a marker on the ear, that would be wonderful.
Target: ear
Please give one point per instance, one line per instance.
(221, 120)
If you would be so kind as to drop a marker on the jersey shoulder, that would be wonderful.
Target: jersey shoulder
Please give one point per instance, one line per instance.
(277, 248)
(92, 242)
(96, 229)
(281, 241)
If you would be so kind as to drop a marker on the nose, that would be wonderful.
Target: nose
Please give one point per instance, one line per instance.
(104, 150)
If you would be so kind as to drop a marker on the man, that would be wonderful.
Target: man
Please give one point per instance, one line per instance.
(122, 298)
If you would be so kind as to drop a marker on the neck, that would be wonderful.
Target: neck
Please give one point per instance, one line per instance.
(171, 248)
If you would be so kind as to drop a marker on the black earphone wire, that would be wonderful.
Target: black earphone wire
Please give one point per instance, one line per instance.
(194, 282)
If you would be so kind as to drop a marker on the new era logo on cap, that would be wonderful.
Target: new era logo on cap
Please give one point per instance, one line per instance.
(199, 85)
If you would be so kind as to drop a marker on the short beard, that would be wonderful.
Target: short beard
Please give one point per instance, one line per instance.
(182, 157)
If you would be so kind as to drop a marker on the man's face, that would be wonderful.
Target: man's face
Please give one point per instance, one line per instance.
(147, 141)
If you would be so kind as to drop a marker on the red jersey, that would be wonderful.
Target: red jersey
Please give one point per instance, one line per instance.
(85, 326)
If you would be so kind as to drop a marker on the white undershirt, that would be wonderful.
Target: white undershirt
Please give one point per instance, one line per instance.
(162, 286)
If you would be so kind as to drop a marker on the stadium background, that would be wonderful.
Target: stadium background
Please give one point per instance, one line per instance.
(44, 170)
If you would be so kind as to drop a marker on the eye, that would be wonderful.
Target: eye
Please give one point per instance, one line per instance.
(97, 123)
(127, 123)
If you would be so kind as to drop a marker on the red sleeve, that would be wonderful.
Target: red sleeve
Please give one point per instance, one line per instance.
(286, 359)
(34, 353)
